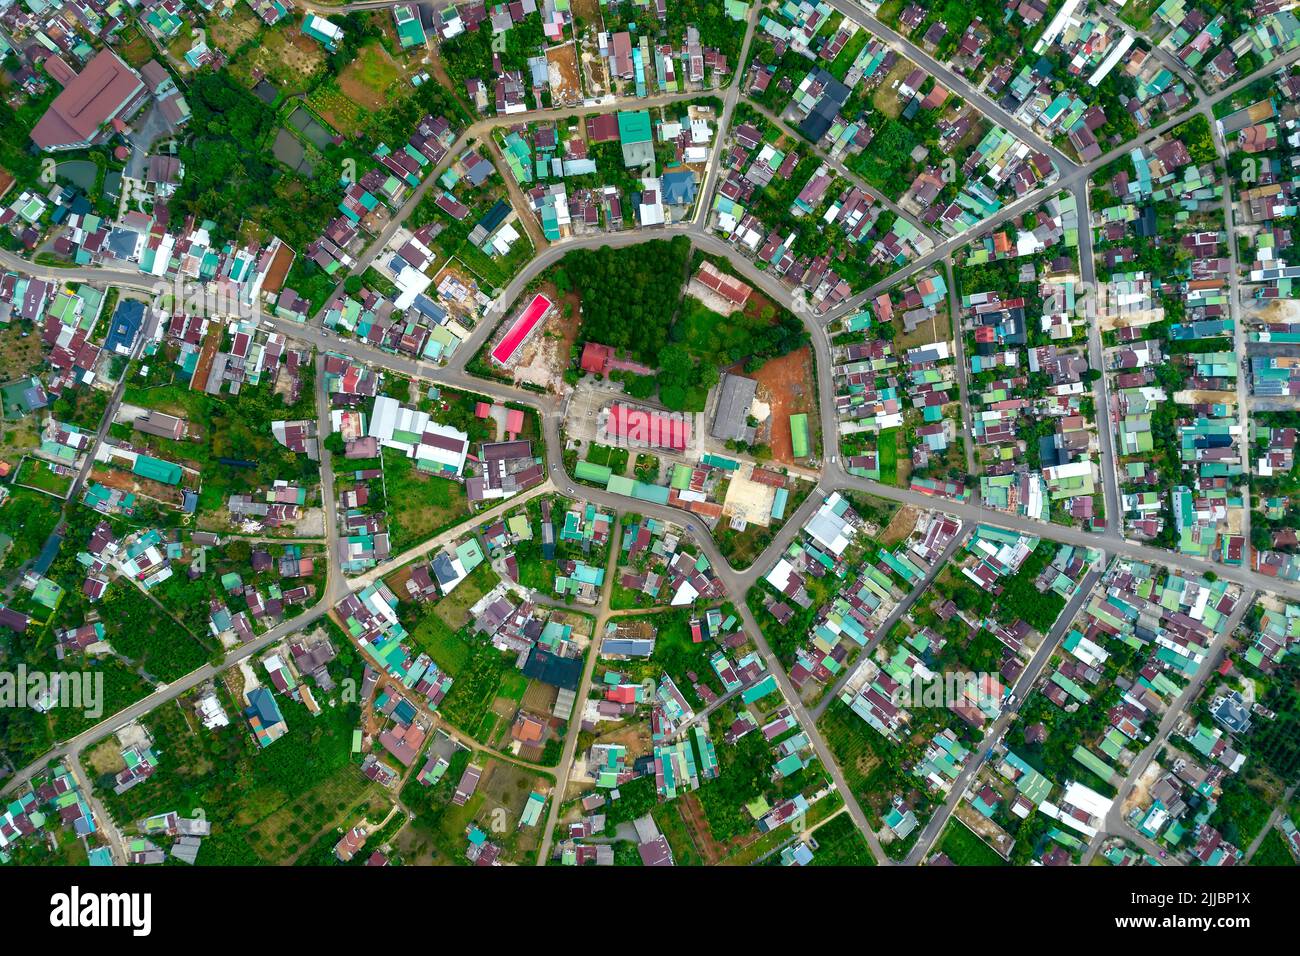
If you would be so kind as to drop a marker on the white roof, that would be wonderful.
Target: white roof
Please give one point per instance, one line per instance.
(779, 576)
(1087, 800)
(384, 418)
(829, 530)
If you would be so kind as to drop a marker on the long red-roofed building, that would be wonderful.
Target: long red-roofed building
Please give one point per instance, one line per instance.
(729, 287)
(103, 95)
(644, 426)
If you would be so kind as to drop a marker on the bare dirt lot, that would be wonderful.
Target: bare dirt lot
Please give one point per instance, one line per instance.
(562, 67)
(397, 581)
(785, 384)
(993, 835)
(368, 78)
(546, 355)
(900, 526)
(127, 482)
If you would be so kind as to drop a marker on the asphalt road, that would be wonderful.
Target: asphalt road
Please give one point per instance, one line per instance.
(1116, 825)
(901, 610)
(1096, 359)
(1020, 691)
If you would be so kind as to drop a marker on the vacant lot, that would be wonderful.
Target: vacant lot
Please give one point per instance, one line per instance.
(229, 33)
(786, 383)
(453, 610)
(289, 59)
(369, 80)
(37, 474)
(966, 849)
(419, 505)
(20, 353)
(562, 65)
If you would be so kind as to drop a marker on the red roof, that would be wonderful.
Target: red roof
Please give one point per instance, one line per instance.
(649, 427)
(521, 328)
(602, 128)
(622, 694)
(595, 358)
(94, 96)
(731, 289)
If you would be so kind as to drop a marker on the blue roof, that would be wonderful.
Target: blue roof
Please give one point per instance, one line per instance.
(495, 216)
(49, 551)
(678, 188)
(127, 320)
(427, 307)
(628, 647)
(122, 242)
(261, 703)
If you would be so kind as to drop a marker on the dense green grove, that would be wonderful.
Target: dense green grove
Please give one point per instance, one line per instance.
(632, 301)
(229, 172)
(631, 295)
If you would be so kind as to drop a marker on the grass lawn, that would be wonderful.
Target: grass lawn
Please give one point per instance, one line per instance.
(536, 573)
(495, 271)
(1242, 812)
(453, 610)
(1138, 14)
(675, 654)
(440, 642)
(964, 848)
(419, 505)
(1273, 851)
(844, 59)
(614, 458)
(624, 599)
(719, 340)
(669, 820)
(479, 671)
(374, 68)
(36, 474)
(371, 81)
(137, 50)
(707, 333)
(887, 447)
(513, 685)
(861, 754)
(841, 843)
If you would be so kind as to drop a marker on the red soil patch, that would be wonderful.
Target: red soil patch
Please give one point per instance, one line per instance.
(786, 384)
(562, 66)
